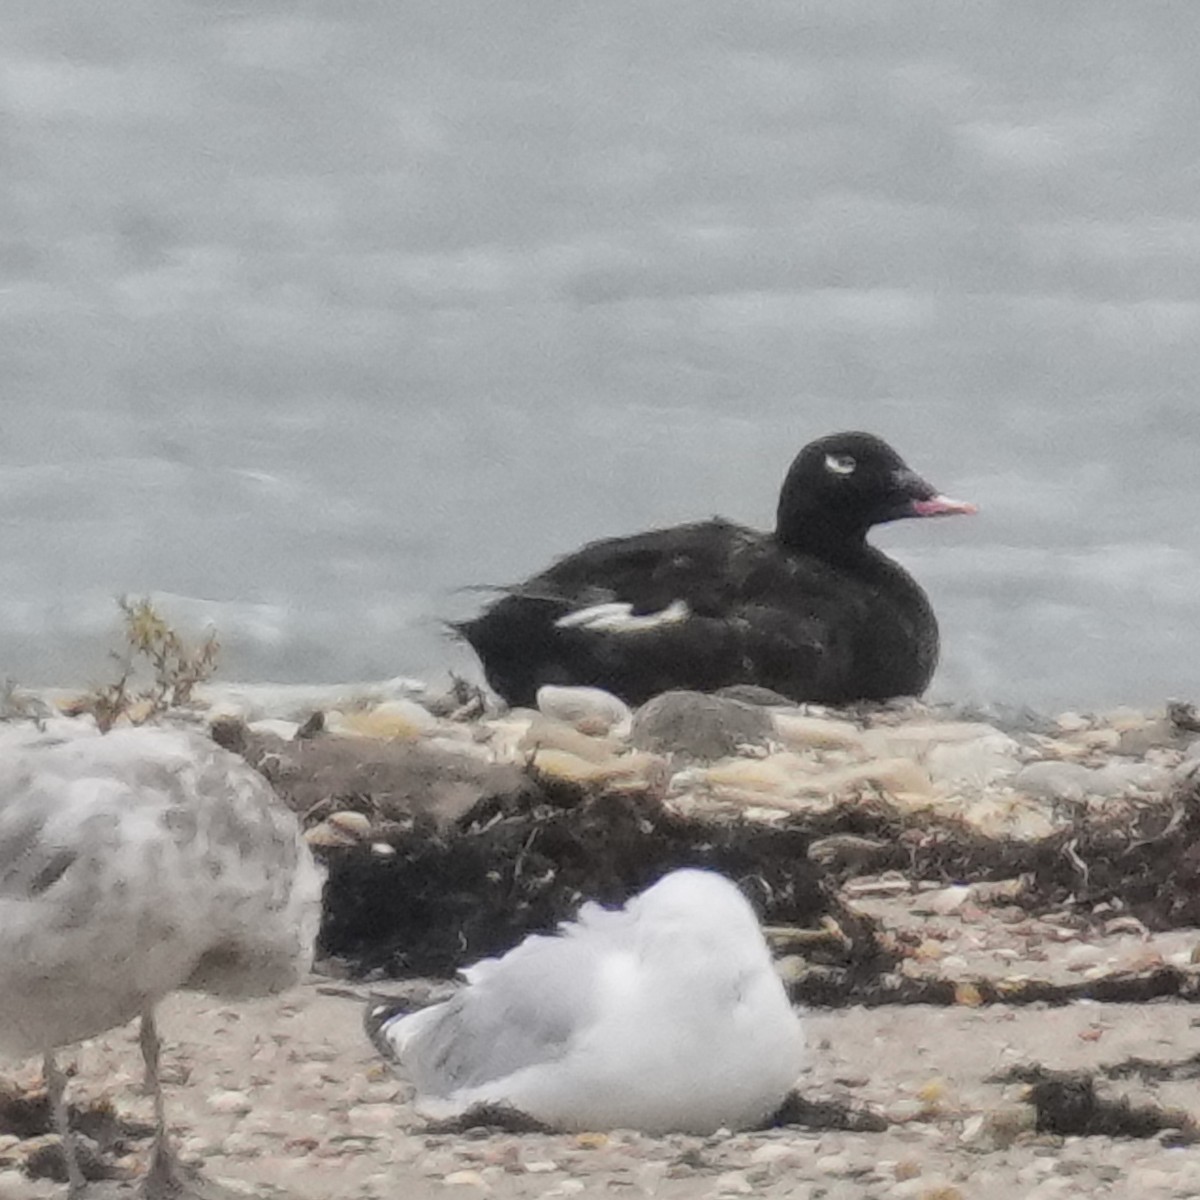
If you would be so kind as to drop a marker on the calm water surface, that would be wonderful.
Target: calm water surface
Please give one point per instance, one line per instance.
(313, 316)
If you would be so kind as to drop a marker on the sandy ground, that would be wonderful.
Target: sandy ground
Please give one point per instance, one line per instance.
(287, 1096)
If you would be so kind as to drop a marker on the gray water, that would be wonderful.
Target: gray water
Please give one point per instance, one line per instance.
(314, 315)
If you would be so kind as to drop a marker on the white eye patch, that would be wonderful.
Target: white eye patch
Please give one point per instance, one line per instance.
(840, 464)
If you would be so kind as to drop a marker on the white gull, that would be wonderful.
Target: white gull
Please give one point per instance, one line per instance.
(131, 865)
(665, 1015)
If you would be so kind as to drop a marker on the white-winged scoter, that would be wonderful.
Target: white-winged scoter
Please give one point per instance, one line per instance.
(811, 611)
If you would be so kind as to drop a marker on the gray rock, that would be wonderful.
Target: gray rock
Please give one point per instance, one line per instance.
(1154, 734)
(1073, 781)
(975, 762)
(1054, 780)
(1117, 778)
(695, 726)
(1013, 719)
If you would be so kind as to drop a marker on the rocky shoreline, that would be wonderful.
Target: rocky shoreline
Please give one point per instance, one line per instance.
(984, 862)
(452, 826)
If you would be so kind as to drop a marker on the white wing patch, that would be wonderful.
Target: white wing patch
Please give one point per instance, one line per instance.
(618, 617)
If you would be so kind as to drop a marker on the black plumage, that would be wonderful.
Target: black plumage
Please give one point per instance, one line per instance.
(810, 610)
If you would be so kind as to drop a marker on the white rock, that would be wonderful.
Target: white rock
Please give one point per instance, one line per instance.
(1073, 781)
(16, 1185)
(1054, 780)
(914, 741)
(325, 835)
(797, 731)
(354, 823)
(588, 709)
(503, 735)
(466, 1179)
(1098, 739)
(974, 763)
(943, 901)
(1010, 815)
(298, 701)
(972, 1130)
(548, 733)
(392, 718)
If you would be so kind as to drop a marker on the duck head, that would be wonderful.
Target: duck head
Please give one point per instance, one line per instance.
(842, 484)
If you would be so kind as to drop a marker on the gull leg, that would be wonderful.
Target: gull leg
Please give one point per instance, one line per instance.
(56, 1086)
(162, 1179)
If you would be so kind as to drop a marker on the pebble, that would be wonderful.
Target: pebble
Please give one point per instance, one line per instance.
(1120, 778)
(905, 1109)
(943, 901)
(16, 1185)
(356, 824)
(297, 702)
(832, 1164)
(567, 1187)
(917, 738)
(1123, 717)
(1073, 781)
(1082, 956)
(324, 835)
(235, 1103)
(733, 1183)
(391, 719)
(771, 1153)
(240, 1144)
(1054, 780)
(552, 734)
(1036, 1169)
(1099, 739)
(1009, 815)
(815, 733)
(466, 1179)
(975, 763)
(1071, 722)
(636, 771)
(906, 1188)
(901, 778)
(372, 1119)
(700, 727)
(589, 710)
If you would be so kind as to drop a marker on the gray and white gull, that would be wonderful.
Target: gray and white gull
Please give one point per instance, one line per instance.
(666, 1015)
(131, 865)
